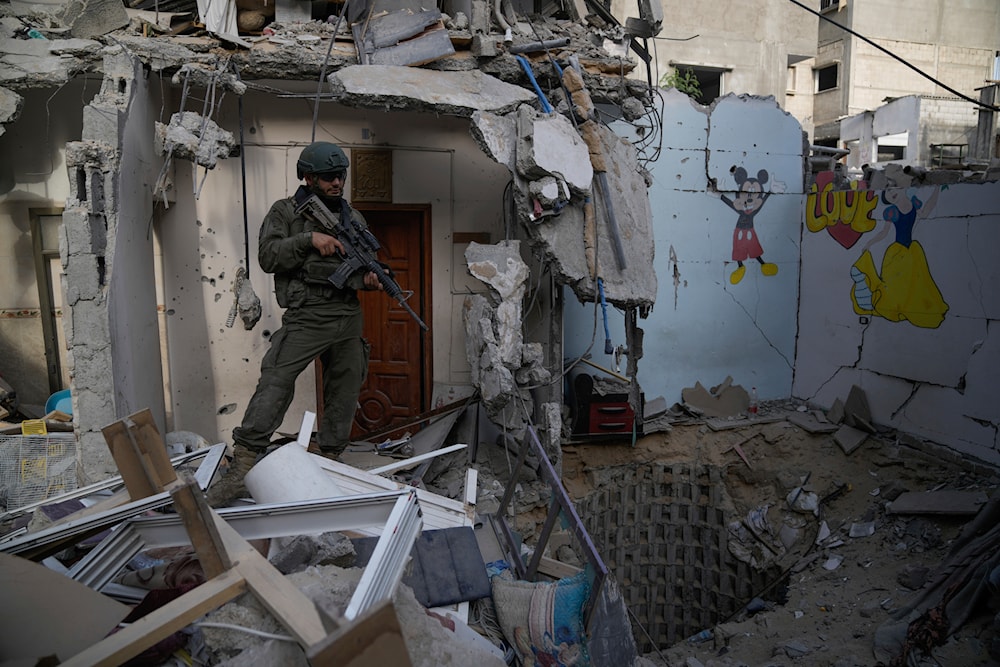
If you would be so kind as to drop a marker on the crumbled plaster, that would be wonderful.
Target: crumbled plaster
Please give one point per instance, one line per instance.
(191, 136)
(548, 146)
(10, 107)
(504, 368)
(41, 63)
(559, 234)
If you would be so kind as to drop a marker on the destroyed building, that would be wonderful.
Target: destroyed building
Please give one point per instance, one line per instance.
(530, 189)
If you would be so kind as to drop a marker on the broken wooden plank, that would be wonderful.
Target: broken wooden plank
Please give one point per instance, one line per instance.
(374, 638)
(288, 604)
(190, 503)
(938, 502)
(140, 454)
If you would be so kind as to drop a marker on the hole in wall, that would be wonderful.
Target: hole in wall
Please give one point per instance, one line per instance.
(664, 533)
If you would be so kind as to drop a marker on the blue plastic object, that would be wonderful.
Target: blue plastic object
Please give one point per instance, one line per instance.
(526, 66)
(61, 401)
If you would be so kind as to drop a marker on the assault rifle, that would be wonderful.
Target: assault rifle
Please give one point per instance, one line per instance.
(360, 247)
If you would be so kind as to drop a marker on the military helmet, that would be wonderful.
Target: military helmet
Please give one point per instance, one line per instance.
(320, 157)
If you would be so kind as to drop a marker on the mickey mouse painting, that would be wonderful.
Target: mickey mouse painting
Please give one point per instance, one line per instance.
(748, 201)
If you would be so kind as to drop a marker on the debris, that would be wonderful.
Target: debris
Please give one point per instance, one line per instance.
(833, 562)
(809, 422)
(938, 502)
(92, 18)
(849, 438)
(724, 400)
(864, 529)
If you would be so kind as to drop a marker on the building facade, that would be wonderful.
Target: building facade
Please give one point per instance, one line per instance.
(946, 59)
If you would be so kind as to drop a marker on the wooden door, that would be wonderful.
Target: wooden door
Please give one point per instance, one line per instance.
(398, 384)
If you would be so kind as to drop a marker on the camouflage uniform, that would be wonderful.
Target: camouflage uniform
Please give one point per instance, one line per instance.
(319, 320)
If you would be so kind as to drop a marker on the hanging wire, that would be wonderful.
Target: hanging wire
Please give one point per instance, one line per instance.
(243, 175)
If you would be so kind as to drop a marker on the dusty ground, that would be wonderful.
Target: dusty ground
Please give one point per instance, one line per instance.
(828, 616)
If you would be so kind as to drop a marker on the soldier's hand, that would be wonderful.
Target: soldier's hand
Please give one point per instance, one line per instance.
(372, 282)
(326, 245)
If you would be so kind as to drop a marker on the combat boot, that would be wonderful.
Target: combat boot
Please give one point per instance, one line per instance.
(231, 486)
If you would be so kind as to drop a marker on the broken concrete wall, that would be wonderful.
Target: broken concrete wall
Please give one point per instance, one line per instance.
(712, 320)
(107, 250)
(32, 180)
(212, 368)
(912, 324)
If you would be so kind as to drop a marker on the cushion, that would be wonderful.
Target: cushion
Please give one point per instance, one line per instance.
(543, 621)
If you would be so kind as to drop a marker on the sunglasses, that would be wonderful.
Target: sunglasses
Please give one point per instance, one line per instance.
(331, 176)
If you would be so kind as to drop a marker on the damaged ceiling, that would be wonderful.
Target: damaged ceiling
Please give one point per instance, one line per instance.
(491, 68)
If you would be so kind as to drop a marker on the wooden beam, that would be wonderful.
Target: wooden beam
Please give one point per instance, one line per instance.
(194, 511)
(161, 623)
(372, 640)
(140, 454)
(288, 604)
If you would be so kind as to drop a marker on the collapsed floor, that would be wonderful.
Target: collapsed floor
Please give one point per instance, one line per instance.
(772, 540)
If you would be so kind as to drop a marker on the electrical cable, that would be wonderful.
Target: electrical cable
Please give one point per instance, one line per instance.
(326, 61)
(249, 631)
(889, 53)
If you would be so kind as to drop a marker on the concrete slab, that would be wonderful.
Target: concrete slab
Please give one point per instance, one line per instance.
(413, 89)
(810, 423)
(938, 502)
(856, 410)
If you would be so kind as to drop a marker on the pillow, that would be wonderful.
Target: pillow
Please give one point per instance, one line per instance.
(543, 621)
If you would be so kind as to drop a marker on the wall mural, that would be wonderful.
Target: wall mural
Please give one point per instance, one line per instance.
(748, 201)
(902, 288)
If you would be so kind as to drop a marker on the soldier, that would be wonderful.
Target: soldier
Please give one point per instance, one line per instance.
(319, 321)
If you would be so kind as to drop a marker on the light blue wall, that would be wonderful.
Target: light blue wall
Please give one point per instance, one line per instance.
(703, 327)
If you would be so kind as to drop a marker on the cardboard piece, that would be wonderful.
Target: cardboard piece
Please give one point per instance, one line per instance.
(45, 613)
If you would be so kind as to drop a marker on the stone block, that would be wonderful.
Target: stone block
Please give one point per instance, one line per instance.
(93, 18)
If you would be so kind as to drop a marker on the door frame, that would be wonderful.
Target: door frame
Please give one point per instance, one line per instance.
(46, 298)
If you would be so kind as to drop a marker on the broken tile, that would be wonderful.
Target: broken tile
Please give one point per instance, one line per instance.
(849, 438)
